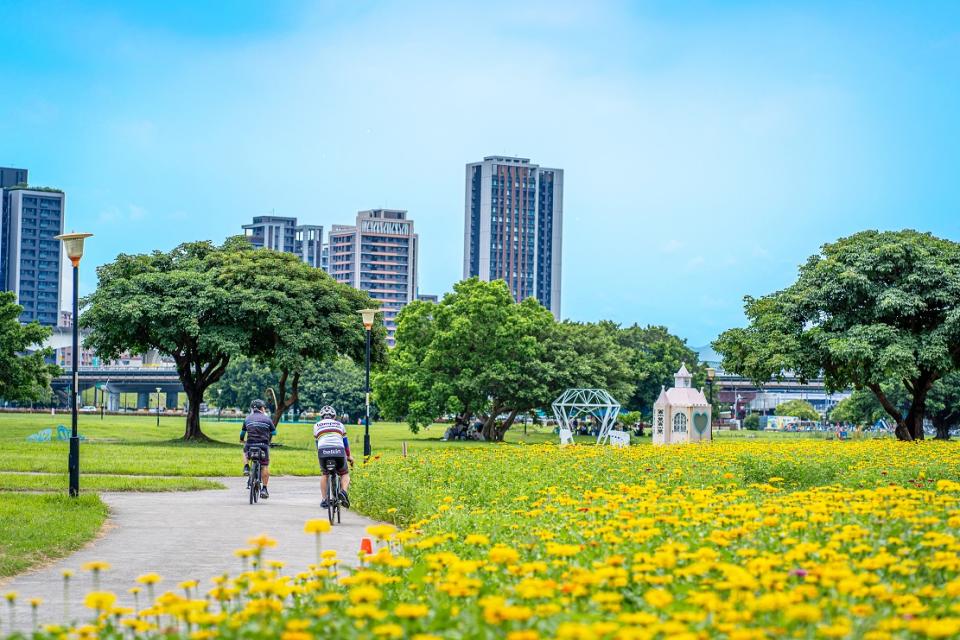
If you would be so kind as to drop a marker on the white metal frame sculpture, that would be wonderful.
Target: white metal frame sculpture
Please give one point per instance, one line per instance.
(579, 403)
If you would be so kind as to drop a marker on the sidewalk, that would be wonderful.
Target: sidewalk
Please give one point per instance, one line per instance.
(182, 536)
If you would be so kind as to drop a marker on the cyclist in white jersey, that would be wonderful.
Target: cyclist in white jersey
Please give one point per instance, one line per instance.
(332, 443)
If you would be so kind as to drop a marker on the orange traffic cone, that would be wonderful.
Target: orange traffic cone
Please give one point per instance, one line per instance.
(366, 546)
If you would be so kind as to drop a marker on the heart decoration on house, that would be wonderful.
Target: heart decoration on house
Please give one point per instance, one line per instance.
(700, 421)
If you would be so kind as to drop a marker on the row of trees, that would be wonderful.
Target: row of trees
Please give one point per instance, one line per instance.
(206, 305)
(25, 374)
(478, 355)
(876, 311)
(339, 383)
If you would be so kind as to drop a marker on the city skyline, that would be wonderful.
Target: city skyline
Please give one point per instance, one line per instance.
(713, 151)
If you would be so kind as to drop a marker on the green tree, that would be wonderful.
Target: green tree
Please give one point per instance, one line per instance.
(869, 308)
(653, 356)
(797, 408)
(297, 315)
(479, 354)
(24, 373)
(861, 408)
(244, 381)
(340, 384)
(943, 404)
(203, 305)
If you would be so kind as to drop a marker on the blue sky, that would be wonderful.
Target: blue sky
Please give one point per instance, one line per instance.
(709, 147)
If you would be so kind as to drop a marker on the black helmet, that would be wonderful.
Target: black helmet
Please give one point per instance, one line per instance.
(258, 404)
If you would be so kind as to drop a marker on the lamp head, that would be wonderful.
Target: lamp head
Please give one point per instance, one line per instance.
(711, 373)
(73, 245)
(368, 317)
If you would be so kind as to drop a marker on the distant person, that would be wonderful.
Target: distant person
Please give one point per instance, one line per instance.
(332, 443)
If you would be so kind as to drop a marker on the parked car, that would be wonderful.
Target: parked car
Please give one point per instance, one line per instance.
(89, 408)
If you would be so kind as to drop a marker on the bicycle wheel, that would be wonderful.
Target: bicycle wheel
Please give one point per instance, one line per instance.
(254, 482)
(337, 493)
(331, 499)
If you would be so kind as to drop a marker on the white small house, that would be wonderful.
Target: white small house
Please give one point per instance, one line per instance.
(681, 413)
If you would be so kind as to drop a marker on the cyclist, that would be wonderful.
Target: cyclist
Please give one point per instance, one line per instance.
(332, 442)
(260, 429)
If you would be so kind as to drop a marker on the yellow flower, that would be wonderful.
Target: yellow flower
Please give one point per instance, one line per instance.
(100, 600)
(317, 525)
(149, 578)
(188, 584)
(411, 611)
(96, 565)
(10, 596)
(35, 602)
(262, 541)
(67, 574)
(658, 598)
(382, 531)
(389, 630)
(477, 539)
(503, 555)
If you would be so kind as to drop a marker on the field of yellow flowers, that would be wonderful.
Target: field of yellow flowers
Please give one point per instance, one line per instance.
(799, 539)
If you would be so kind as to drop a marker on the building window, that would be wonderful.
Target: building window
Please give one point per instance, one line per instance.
(680, 423)
(660, 421)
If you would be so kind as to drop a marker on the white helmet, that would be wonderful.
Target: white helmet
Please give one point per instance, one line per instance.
(328, 412)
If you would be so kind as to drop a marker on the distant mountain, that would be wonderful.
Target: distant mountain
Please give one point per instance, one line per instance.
(708, 355)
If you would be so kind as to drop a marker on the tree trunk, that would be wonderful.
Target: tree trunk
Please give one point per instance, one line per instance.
(903, 430)
(942, 427)
(193, 431)
(282, 402)
(502, 429)
(489, 425)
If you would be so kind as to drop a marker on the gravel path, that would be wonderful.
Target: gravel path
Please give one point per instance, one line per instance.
(181, 536)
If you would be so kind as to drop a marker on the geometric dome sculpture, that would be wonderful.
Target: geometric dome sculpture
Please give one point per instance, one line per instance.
(579, 403)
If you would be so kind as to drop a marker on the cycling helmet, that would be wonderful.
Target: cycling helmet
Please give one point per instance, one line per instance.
(258, 404)
(328, 412)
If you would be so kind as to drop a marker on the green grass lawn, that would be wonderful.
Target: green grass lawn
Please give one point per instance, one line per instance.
(92, 482)
(134, 445)
(35, 528)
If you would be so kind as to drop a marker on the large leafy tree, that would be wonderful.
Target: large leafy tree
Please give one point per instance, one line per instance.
(868, 309)
(244, 381)
(203, 305)
(339, 383)
(24, 373)
(480, 355)
(296, 315)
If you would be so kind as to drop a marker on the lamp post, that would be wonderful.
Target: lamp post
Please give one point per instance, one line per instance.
(711, 374)
(158, 406)
(73, 245)
(219, 403)
(368, 317)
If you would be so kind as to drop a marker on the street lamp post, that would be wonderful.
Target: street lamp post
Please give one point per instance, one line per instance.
(73, 245)
(368, 317)
(219, 403)
(158, 406)
(711, 374)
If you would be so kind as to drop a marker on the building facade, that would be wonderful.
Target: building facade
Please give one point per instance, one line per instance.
(31, 259)
(378, 255)
(10, 177)
(282, 233)
(513, 226)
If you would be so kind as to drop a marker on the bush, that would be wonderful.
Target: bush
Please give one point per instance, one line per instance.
(752, 422)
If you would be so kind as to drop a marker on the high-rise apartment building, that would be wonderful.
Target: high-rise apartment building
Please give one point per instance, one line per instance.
(282, 233)
(378, 255)
(10, 177)
(513, 227)
(30, 257)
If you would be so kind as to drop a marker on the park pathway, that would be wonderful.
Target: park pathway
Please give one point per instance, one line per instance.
(182, 536)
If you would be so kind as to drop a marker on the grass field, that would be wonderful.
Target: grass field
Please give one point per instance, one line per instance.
(35, 528)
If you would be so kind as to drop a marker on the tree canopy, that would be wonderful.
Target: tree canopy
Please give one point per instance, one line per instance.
(797, 408)
(477, 354)
(868, 309)
(24, 373)
(203, 305)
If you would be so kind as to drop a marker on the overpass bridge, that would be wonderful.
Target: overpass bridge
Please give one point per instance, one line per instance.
(744, 393)
(114, 380)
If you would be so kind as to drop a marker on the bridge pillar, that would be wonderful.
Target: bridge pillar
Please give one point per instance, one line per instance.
(113, 401)
(143, 400)
(172, 400)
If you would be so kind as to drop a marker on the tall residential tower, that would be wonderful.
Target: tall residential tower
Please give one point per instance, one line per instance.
(513, 223)
(282, 233)
(378, 255)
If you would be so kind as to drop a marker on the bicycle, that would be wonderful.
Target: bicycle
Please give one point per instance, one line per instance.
(254, 484)
(333, 488)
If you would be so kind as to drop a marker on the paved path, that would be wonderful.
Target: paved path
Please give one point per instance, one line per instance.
(184, 535)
